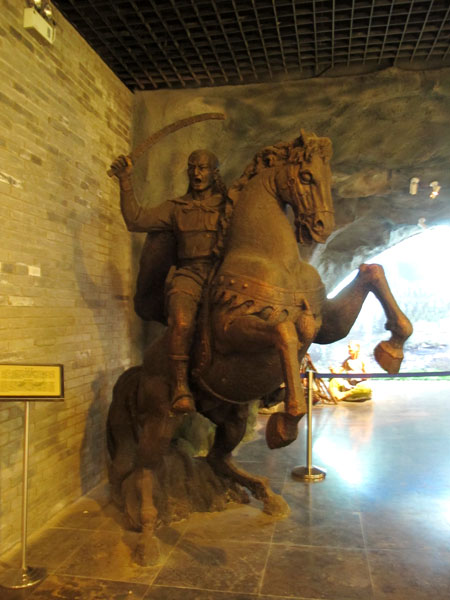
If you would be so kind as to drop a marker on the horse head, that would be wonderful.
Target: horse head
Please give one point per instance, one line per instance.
(303, 181)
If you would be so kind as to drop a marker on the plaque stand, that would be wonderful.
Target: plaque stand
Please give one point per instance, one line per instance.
(310, 474)
(25, 576)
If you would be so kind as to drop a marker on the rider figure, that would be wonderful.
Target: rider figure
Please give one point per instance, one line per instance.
(195, 220)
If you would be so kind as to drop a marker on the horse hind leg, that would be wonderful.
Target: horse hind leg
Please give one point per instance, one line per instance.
(155, 432)
(121, 439)
(229, 432)
(147, 551)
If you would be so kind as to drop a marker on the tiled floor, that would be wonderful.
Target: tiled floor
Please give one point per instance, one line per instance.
(378, 526)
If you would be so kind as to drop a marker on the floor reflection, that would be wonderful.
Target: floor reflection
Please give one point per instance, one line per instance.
(377, 527)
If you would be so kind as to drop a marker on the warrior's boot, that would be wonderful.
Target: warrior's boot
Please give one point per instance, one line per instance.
(182, 399)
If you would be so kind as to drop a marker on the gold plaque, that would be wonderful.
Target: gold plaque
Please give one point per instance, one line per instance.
(37, 382)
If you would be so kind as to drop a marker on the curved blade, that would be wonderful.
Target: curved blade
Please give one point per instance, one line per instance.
(159, 135)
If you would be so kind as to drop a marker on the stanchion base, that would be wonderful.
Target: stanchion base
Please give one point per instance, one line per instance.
(16, 579)
(308, 474)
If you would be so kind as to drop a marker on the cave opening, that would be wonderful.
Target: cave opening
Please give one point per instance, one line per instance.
(416, 269)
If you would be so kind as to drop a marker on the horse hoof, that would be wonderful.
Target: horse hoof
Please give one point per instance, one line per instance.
(388, 357)
(276, 506)
(281, 429)
(184, 404)
(148, 553)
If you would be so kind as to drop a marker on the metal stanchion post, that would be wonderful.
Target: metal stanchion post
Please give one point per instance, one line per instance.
(25, 576)
(309, 473)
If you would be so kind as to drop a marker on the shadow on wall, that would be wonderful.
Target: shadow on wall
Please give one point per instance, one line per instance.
(93, 445)
(103, 295)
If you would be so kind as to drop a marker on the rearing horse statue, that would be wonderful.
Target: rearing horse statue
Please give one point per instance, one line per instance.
(263, 308)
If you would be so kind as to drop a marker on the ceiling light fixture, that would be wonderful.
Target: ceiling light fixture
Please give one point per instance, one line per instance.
(39, 20)
(48, 12)
(413, 185)
(435, 189)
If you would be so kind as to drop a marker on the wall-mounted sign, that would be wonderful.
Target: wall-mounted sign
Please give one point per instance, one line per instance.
(36, 382)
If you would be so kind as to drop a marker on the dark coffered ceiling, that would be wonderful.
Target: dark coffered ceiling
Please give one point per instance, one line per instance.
(154, 44)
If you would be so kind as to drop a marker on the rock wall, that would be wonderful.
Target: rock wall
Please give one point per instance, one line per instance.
(386, 127)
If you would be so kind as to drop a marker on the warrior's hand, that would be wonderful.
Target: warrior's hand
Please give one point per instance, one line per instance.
(121, 167)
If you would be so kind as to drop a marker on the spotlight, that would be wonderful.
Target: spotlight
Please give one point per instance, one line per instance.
(435, 187)
(413, 185)
(48, 12)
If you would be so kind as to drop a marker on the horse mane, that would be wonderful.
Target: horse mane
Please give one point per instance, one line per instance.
(298, 151)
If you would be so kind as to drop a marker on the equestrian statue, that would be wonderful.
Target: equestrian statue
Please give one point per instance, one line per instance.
(223, 268)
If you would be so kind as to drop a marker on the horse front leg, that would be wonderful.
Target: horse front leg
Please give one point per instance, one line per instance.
(340, 313)
(251, 332)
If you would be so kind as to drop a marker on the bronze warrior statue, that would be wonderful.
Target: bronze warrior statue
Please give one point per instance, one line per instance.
(263, 307)
(195, 222)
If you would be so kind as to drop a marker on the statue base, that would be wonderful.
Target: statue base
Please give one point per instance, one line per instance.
(182, 485)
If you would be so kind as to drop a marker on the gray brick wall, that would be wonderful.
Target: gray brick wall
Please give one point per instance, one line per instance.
(65, 259)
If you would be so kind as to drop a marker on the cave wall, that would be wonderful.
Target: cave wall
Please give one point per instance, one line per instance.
(386, 127)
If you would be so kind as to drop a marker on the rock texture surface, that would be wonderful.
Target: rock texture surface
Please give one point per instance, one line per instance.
(386, 128)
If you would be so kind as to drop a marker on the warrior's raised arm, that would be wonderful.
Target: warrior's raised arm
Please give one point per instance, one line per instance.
(137, 217)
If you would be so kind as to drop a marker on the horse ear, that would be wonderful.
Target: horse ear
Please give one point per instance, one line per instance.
(325, 148)
(302, 139)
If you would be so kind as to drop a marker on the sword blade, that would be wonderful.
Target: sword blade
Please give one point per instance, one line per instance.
(168, 129)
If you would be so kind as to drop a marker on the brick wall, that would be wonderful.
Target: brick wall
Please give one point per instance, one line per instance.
(65, 259)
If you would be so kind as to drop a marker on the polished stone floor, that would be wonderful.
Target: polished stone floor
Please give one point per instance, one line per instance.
(378, 526)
